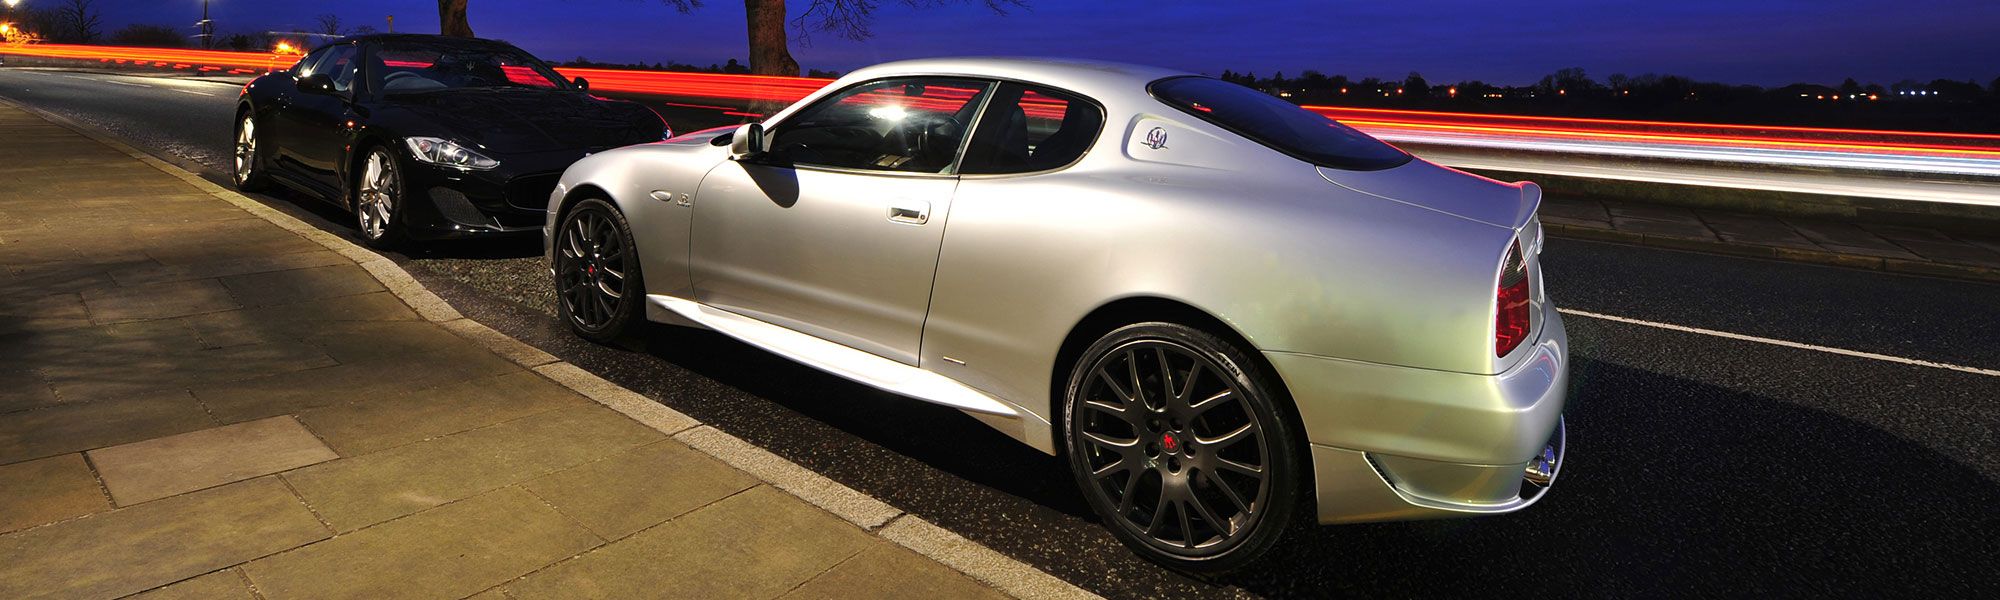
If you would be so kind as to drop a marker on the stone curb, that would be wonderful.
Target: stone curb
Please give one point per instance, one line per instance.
(847, 503)
(626, 402)
(979, 562)
(1818, 257)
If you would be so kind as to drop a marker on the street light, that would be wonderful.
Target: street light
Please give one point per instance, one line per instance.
(206, 26)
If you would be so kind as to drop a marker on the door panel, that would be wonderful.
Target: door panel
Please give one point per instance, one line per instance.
(847, 257)
(312, 127)
(835, 232)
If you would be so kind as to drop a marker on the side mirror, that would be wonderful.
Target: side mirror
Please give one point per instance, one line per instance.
(318, 83)
(747, 143)
(581, 84)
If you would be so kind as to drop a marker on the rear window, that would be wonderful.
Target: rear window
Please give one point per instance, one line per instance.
(1276, 123)
(417, 66)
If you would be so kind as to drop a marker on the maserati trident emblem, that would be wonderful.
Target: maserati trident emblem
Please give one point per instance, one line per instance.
(1157, 138)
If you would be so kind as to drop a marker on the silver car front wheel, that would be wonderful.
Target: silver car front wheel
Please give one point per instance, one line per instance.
(599, 288)
(1179, 444)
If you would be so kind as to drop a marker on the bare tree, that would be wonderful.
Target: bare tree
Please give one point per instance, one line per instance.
(770, 52)
(328, 24)
(850, 19)
(452, 20)
(79, 19)
(770, 47)
(158, 36)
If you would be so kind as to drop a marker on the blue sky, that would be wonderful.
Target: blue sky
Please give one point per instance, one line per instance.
(1766, 42)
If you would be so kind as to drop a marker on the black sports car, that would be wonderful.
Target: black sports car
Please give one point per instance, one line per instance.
(427, 137)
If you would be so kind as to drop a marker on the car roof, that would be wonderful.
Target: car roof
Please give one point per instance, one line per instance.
(419, 37)
(1097, 79)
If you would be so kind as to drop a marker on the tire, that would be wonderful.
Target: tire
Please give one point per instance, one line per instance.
(379, 199)
(248, 159)
(1203, 471)
(599, 288)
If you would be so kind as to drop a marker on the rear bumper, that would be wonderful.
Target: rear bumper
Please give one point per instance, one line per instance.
(1394, 443)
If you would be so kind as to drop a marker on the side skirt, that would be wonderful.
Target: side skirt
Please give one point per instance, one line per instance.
(845, 362)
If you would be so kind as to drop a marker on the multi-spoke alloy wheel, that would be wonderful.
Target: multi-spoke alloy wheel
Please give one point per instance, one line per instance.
(1180, 447)
(248, 175)
(376, 199)
(597, 271)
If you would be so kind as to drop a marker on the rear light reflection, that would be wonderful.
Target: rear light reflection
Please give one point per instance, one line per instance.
(1511, 320)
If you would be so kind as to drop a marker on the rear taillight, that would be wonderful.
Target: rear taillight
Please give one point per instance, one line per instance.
(1511, 320)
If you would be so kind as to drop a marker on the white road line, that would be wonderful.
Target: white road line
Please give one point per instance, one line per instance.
(195, 93)
(1776, 342)
(108, 81)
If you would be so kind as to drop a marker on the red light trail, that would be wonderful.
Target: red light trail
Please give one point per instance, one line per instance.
(1389, 122)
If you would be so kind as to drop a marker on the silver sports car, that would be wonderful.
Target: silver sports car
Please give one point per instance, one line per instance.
(1229, 313)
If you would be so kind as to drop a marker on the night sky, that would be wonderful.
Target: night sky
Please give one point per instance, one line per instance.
(1765, 42)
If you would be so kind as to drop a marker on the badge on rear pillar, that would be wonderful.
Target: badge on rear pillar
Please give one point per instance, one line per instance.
(1157, 138)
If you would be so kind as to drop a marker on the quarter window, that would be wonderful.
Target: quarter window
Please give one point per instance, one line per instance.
(1029, 128)
(1278, 124)
(909, 125)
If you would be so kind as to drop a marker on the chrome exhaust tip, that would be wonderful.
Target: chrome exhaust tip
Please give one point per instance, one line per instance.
(1542, 469)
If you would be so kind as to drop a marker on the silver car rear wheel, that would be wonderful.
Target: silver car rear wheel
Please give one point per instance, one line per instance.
(1179, 447)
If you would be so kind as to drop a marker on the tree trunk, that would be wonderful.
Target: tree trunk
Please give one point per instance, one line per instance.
(770, 52)
(451, 19)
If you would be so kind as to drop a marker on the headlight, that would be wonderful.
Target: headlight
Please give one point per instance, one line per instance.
(445, 152)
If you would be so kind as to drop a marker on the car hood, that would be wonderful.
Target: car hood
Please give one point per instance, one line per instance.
(1446, 190)
(508, 121)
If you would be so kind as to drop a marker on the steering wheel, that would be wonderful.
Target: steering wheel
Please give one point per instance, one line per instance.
(936, 130)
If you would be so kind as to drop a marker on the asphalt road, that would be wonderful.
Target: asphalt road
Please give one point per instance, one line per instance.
(1700, 465)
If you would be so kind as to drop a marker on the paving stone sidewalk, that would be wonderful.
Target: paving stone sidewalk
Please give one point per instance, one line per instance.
(1916, 250)
(198, 403)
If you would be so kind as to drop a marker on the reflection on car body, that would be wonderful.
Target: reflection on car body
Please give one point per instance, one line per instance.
(426, 137)
(1229, 313)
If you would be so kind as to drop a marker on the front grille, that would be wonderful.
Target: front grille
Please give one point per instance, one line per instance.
(456, 207)
(531, 192)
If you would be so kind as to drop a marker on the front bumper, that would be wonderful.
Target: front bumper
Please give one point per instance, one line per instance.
(456, 203)
(1396, 443)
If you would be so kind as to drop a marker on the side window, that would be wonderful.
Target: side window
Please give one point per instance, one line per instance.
(308, 65)
(341, 64)
(909, 125)
(1028, 128)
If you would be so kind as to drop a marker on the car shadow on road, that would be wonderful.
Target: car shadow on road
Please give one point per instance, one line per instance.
(908, 430)
(1684, 488)
(338, 221)
(1674, 486)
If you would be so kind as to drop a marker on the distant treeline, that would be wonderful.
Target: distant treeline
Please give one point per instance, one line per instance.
(1939, 105)
(732, 67)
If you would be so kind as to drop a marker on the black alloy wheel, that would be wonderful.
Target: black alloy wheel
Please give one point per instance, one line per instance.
(248, 157)
(378, 200)
(598, 285)
(1178, 443)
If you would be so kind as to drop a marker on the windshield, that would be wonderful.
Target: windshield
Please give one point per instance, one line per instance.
(405, 67)
(1279, 124)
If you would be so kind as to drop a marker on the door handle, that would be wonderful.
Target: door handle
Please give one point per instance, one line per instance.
(914, 212)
